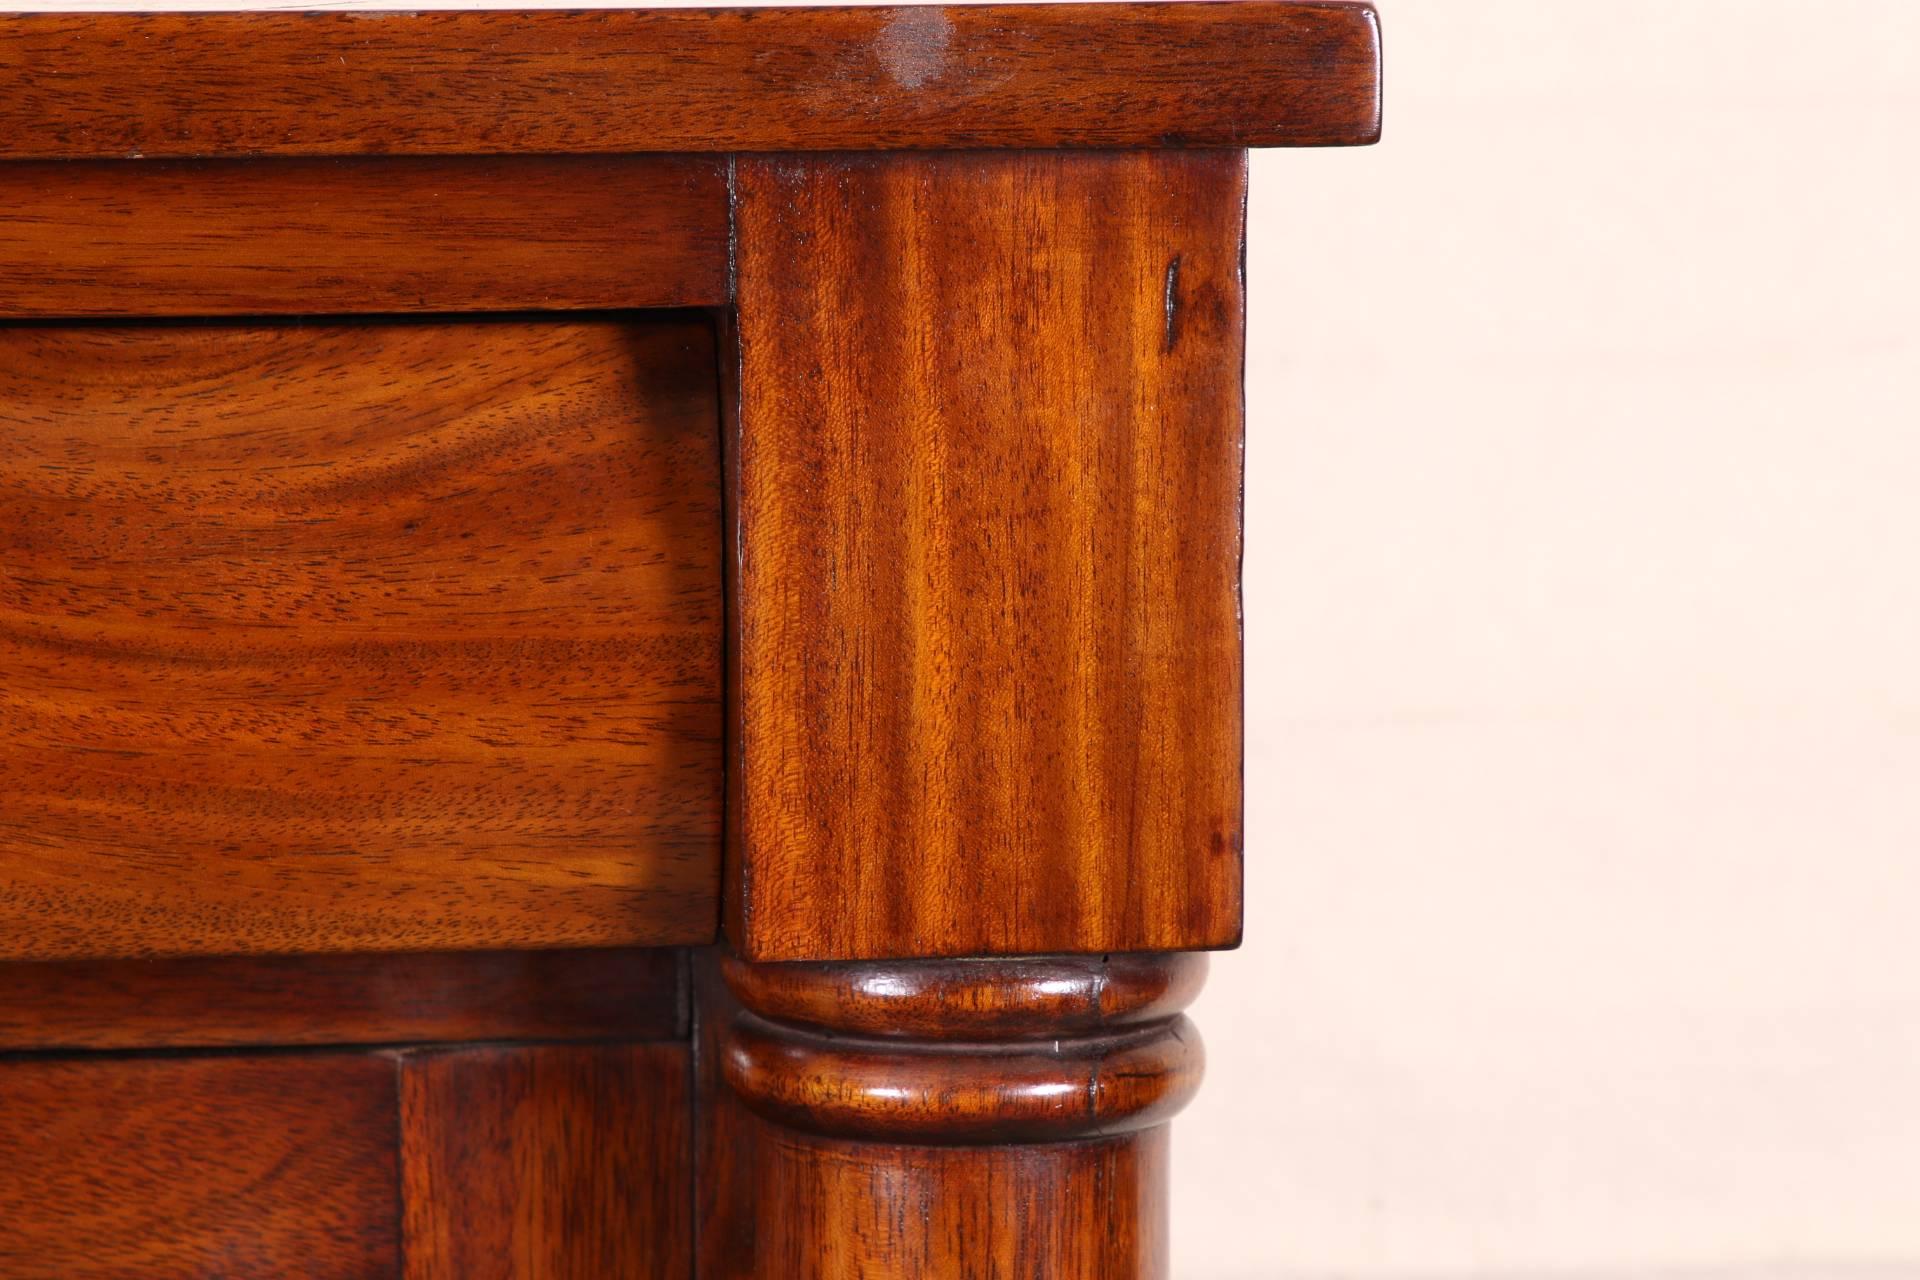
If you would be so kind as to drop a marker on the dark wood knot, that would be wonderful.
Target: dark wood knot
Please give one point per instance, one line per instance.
(1031, 1049)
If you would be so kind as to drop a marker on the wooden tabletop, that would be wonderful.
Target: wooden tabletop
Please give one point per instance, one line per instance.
(1233, 73)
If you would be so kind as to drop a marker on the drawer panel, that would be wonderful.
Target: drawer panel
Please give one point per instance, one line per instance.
(276, 1166)
(484, 1163)
(358, 636)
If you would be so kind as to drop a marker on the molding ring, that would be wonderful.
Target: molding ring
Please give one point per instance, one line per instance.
(1036, 1091)
(1040, 1049)
(1039, 996)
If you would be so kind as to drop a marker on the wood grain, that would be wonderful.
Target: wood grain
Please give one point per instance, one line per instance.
(726, 1136)
(548, 1163)
(361, 235)
(830, 1210)
(1256, 73)
(396, 636)
(909, 1057)
(399, 998)
(974, 1000)
(172, 1168)
(497, 1163)
(980, 1052)
(985, 492)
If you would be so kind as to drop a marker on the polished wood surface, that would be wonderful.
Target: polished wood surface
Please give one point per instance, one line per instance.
(883, 1091)
(350, 658)
(366, 999)
(726, 1136)
(358, 235)
(178, 1168)
(974, 1000)
(986, 538)
(980, 1052)
(964, 1118)
(550, 1163)
(539, 1162)
(369, 636)
(1093, 1210)
(1258, 73)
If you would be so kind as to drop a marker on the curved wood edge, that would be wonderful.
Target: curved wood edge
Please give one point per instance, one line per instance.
(1229, 73)
(1041, 996)
(996, 1054)
(1036, 1091)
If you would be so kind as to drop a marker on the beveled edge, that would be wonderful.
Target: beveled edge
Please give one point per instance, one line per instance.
(1185, 74)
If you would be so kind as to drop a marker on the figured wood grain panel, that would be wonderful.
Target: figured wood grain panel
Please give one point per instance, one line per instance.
(371, 636)
(985, 488)
(315, 236)
(548, 1163)
(183, 1168)
(375, 998)
(1256, 73)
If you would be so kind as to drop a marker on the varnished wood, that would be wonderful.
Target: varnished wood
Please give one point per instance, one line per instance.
(985, 506)
(727, 1138)
(358, 637)
(182, 1168)
(1257, 73)
(1011, 1123)
(317, 236)
(1032, 1091)
(974, 1000)
(370, 637)
(555, 1163)
(487, 1163)
(980, 1051)
(397, 998)
(1093, 1210)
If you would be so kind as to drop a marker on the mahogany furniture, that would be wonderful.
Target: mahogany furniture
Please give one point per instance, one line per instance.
(619, 631)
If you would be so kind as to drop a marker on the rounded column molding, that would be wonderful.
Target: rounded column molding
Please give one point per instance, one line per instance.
(967, 1052)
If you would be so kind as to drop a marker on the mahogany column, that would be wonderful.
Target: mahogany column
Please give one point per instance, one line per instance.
(984, 473)
(964, 1117)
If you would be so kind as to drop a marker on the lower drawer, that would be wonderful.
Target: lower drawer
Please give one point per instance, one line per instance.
(470, 1162)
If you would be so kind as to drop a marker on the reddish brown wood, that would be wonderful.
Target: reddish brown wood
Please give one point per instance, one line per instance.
(195, 1167)
(1042, 996)
(516, 1163)
(727, 1138)
(358, 637)
(976, 1051)
(1067, 1209)
(548, 1163)
(1256, 73)
(986, 529)
(314, 236)
(385, 636)
(342, 999)
(978, 1151)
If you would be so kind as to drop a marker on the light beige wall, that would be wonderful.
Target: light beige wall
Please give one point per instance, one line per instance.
(1583, 641)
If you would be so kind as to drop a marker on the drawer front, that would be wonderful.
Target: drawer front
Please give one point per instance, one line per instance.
(484, 1163)
(358, 635)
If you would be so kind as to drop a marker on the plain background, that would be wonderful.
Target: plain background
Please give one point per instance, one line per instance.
(1583, 645)
(1583, 657)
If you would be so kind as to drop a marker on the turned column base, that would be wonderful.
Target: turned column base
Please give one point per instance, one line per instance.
(964, 1118)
